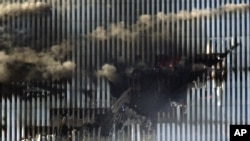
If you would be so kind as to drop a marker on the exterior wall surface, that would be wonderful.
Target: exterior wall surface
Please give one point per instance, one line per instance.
(84, 22)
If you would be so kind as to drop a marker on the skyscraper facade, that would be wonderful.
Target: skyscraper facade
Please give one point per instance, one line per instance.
(65, 45)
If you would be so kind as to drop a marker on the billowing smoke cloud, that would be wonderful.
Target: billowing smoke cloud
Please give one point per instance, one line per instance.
(16, 9)
(108, 71)
(18, 61)
(6, 39)
(234, 7)
(24, 64)
(150, 25)
(60, 51)
(186, 15)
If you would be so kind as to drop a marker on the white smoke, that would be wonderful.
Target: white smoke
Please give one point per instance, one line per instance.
(234, 7)
(58, 69)
(16, 9)
(23, 63)
(148, 23)
(59, 51)
(108, 71)
(195, 13)
(4, 74)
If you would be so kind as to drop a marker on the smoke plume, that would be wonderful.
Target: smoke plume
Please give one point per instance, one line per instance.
(108, 71)
(186, 15)
(18, 61)
(16, 9)
(24, 64)
(151, 25)
(60, 51)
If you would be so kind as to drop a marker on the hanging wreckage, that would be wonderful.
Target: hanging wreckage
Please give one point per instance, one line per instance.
(145, 91)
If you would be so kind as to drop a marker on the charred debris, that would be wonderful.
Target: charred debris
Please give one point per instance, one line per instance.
(143, 91)
(148, 89)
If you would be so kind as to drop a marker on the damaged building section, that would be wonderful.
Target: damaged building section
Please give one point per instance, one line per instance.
(130, 70)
